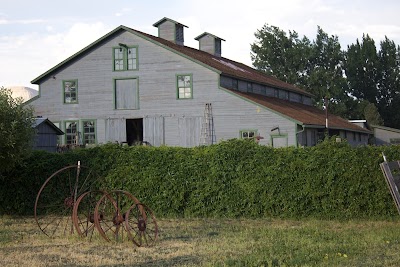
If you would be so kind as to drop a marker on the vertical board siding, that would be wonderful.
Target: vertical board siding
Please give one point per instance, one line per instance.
(153, 130)
(167, 120)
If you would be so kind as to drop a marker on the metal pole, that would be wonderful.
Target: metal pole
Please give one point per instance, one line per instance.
(326, 116)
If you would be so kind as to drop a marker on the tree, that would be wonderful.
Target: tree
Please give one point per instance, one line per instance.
(316, 67)
(361, 69)
(372, 115)
(325, 72)
(389, 83)
(281, 55)
(16, 130)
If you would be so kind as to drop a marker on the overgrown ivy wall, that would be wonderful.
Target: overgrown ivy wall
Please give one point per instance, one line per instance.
(231, 179)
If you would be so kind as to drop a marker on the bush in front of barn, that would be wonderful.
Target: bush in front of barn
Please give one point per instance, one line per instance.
(235, 178)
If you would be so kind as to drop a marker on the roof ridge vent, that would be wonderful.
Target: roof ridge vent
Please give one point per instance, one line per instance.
(170, 30)
(210, 43)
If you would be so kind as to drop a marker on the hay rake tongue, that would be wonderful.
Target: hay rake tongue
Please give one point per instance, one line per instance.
(69, 202)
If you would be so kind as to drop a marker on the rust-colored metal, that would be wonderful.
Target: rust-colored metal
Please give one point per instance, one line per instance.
(83, 213)
(67, 201)
(141, 225)
(113, 207)
(57, 196)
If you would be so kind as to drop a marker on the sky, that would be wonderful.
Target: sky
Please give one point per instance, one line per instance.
(36, 35)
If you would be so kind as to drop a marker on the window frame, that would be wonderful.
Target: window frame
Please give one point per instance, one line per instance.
(84, 134)
(59, 137)
(66, 131)
(64, 93)
(177, 86)
(281, 135)
(125, 57)
(255, 131)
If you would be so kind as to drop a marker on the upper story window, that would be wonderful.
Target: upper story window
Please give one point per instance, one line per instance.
(125, 58)
(70, 91)
(184, 86)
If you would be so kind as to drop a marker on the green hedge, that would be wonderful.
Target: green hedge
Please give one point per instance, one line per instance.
(234, 178)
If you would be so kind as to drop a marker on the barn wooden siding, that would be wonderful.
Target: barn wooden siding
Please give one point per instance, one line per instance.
(46, 138)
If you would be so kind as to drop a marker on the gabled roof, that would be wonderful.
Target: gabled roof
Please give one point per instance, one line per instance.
(206, 33)
(308, 116)
(39, 121)
(167, 19)
(221, 65)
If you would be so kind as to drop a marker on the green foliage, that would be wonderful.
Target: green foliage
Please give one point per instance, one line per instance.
(235, 178)
(16, 130)
(372, 115)
(314, 66)
(349, 78)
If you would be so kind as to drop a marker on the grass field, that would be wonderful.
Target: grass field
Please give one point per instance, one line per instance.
(213, 242)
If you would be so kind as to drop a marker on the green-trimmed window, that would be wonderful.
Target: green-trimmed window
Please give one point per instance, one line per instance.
(70, 91)
(58, 124)
(89, 132)
(184, 86)
(71, 133)
(248, 134)
(125, 58)
(126, 93)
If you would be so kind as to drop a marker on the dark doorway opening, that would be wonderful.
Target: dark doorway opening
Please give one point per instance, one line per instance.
(134, 131)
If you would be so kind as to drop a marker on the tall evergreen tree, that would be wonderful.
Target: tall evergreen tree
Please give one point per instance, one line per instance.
(314, 66)
(281, 55)
(389, 82)
(361, 69)
(325, 73)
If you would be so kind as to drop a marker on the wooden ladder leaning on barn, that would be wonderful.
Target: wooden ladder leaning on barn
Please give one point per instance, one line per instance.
(391, 171)
(207, 127)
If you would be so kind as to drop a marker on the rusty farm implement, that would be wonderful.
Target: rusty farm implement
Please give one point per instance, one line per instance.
(70, 201)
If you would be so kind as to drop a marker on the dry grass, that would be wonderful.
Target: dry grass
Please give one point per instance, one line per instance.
(213, 242)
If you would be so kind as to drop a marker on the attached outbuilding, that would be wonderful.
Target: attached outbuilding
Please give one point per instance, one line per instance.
(46, 135)
(386, 135)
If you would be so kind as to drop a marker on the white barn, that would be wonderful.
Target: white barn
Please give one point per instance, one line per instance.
(129, 86)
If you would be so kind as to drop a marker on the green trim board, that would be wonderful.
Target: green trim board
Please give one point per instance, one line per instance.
(125, 94)
(184, 86)
(279, 136)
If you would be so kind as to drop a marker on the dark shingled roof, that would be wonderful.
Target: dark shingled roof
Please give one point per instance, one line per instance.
(304, 114)
(226, 66)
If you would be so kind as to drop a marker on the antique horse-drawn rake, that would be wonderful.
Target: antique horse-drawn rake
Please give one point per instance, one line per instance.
(69, 202)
